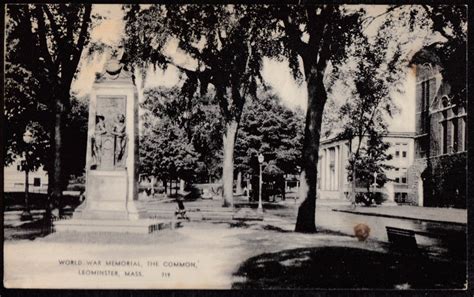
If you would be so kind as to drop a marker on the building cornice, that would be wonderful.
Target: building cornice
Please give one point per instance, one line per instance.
(388, 135)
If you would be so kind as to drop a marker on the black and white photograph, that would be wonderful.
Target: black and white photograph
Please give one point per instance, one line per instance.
(235, 146)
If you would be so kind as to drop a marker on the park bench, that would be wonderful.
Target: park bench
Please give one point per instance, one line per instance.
(206, 194)
(402, 239)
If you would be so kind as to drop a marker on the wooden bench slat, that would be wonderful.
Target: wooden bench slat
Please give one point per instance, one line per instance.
(402, 239)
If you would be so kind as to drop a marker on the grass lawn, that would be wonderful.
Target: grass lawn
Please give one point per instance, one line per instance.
(231, 254)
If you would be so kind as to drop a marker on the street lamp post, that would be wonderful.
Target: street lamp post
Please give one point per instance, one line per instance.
(260, 161)
(298, 168)
(375, 183)
(248, 186)
(298, 182)
(27, 138)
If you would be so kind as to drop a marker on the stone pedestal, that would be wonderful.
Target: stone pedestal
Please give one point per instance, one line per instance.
(112, 157)
(107, 197)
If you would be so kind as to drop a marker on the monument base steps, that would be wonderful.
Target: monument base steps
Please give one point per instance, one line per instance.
(145, 226)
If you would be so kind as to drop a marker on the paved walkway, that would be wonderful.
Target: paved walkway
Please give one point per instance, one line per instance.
(201, 255)
(429, 214)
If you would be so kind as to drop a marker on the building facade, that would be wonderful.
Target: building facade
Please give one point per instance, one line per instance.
(438, 174)
(334, 158)
(14, 179)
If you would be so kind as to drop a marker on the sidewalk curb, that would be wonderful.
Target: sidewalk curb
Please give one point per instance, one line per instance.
(398, 217)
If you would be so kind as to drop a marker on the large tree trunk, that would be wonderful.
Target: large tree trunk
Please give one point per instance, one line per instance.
(353, 184)
(56, 192)
(165, 184)
(306, 220)
(228, 166)
(352, 196)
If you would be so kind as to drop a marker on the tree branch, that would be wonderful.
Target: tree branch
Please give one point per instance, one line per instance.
(86, 19)
(318, 26)
(436, 27)
(366, 22)
(224, 105)
(294, 35)
(192, 50)
(365, 127)
(31, 36)
(220, 38)
(70, 26)
(54, 27)
(72, 58)
(42, 38)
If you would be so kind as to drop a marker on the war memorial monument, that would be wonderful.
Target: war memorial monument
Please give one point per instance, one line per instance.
(111, 161)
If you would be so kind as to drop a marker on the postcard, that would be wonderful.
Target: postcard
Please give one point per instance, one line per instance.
(235, 146)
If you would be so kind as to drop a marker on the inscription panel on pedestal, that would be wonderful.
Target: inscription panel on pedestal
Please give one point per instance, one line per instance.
(107, 188)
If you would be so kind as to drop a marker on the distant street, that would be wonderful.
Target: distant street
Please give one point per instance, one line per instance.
(433, 235)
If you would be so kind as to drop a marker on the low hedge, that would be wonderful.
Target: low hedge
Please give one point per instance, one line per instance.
(446, 182)
(16, 200)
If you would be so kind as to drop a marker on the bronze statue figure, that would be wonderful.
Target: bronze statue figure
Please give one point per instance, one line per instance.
(120, 141)
(96, 141)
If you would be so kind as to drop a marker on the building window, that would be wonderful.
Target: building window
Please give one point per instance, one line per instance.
(18, 167)
(332, 169)
(455, 131)
(425, 103)
(464, 134)
(397, 154)
(400, 197)
(403, 175)
(426, 94)
(455, 134)
(37, 182)
(319, 173)
(444, 125)
(404, 150)
(444, 133)
(397, 175)
(400, 175)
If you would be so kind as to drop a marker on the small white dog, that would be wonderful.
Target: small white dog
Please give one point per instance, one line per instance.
(361, 231)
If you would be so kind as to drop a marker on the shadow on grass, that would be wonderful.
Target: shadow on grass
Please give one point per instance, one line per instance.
(340, 267)
(31, 230)
(239, 224)
(254, 204)
(275, 228)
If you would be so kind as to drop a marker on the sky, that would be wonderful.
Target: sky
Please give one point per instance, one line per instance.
(276, 74)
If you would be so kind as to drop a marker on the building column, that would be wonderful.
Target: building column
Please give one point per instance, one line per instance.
(323, 170)
(328, 165)
(331, 181)
(420, 191)
(328, 172)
